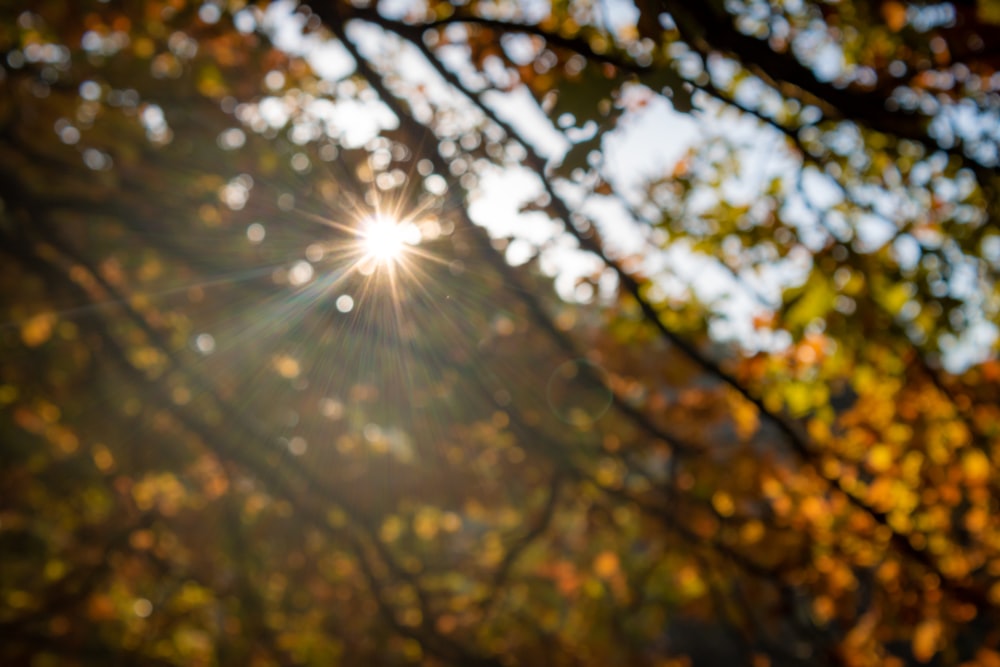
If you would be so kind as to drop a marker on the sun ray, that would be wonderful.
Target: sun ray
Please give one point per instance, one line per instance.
(385, 240)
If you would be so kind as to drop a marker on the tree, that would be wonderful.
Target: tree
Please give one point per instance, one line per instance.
(280, 386)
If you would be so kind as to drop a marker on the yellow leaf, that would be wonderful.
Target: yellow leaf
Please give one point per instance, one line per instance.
(813, 508)
(798, 398)
(723, 503)
(391, 529)
(896, 296)
(689, 582)
(879, 458)
(988, 11)
(994, 593)
(606, 564)
(745, 419)
(427, 522)
(975, 467)
(752, 532)
(925, 639)
(38, 329)
(143, 47)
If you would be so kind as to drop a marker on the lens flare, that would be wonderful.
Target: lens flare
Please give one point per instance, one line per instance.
(386, 241)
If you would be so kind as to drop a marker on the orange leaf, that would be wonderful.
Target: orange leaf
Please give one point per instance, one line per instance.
(925, 639)
(894, 14)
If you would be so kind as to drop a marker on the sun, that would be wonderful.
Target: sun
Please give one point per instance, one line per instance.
(385, 241)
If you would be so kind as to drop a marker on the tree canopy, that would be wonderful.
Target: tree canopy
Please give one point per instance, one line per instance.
(499, 333)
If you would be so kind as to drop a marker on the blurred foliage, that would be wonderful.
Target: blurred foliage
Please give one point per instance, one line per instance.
(230, 437)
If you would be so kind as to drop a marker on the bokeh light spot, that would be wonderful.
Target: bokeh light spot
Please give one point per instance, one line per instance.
(345, 303)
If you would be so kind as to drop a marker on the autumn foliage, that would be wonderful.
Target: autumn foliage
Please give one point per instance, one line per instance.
(362, 333)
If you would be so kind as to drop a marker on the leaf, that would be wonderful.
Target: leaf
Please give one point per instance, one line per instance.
(925, 639)
(38, 329)
(976, 467)
(798, 398)
(746, 419)
(897, 296)
(880, 458)
(894, 14)
(988, 11)
(203, 462)
(606, 564)
(813, 300)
